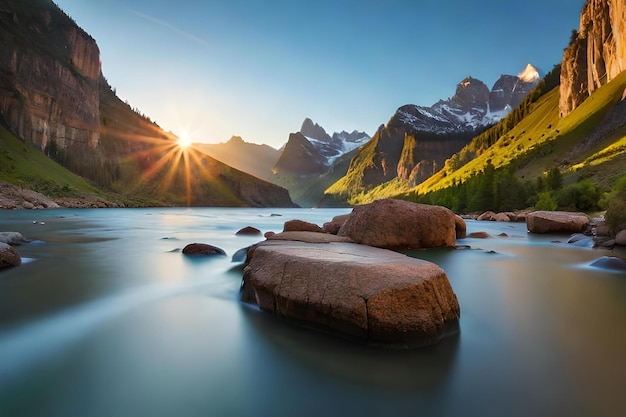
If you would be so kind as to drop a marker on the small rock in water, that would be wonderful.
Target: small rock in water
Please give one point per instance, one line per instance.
(248, 231)
(610, 262)
(202, 249)
(479, 235)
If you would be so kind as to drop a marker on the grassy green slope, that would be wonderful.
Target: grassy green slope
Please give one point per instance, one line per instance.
(542, 140)
(23, 165)
(352, 183)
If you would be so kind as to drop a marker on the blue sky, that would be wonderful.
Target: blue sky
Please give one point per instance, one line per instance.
(256, 69)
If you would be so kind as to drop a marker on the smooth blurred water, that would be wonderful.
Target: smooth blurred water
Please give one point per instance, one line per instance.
(107, 318)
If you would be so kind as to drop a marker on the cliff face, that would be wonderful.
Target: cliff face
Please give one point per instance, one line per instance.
(596, 55)
(49, 72)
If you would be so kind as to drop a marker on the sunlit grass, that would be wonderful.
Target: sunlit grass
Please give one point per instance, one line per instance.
(604, 155)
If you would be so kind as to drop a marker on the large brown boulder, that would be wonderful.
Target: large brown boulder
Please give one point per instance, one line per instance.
(9, 256)
(372, 294)
(397, 224)
(556, 222)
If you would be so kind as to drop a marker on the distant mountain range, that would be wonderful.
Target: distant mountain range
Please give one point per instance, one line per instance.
(306, 165)
(417, 140)
(472, 107)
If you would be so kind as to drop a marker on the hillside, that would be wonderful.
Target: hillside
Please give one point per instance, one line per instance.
(28, 169)
(54, 97)
(251, 158)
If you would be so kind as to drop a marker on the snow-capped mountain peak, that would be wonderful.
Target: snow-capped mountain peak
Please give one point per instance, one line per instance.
(529, 75)
(473, 106)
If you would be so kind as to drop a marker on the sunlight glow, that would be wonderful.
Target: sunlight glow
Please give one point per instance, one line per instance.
(184, 140)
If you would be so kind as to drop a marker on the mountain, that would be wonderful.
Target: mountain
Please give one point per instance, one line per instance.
(473, 105)
(417, 140)
(312, 151)
(54, 96)
(301, 158)
(312, 160)
(251, 158)
(572, 127)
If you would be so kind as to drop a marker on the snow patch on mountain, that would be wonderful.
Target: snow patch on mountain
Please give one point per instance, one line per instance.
(530, 74)
(472, 107)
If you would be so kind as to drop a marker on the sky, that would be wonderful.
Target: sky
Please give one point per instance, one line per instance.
(256, 69)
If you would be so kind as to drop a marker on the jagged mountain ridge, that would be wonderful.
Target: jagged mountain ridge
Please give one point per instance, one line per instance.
(417, 140)
(309, 162)
(312, 151)
(473, 105)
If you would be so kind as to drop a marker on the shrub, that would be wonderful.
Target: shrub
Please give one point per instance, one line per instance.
(546, 202)
(580, 196)
(615, 203)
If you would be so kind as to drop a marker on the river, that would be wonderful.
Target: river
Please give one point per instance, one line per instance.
(106, 317)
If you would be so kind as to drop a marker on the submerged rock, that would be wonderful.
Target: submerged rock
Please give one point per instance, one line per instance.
(248, 231)
(479, 235)
(556, 222)
(9, 256)
(202, 249)
(610, 262)
(376, 295)
(12, 238)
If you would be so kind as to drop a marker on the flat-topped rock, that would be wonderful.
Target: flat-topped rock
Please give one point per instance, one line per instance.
(372, 294)
(556, 222)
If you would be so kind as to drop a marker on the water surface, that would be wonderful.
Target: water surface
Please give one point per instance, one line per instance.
(107, 318)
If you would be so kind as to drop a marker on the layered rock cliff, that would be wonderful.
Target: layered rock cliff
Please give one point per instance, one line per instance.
(596, 54)
(49, 73)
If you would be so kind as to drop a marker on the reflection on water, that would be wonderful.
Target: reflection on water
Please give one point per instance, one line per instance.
(109, 319)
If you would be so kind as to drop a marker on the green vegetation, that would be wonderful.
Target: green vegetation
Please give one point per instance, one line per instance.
(533, 158)
(615, 204)
(510, 172)
(21, 164)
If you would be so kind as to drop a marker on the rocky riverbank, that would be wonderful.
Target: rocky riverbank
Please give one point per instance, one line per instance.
(14, 197)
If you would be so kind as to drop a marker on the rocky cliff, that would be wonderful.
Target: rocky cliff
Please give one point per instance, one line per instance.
(596, 54)
(49, 73)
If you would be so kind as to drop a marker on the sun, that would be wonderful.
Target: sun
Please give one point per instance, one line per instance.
(184, 140)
